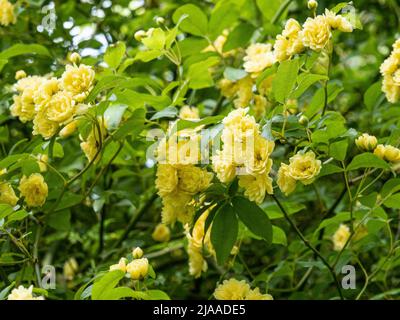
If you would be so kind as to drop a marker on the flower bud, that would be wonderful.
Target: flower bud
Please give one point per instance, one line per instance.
(138, 268)
(303, 120)
(69, 129)
(160, 20)
(139, 35)
(366, 142)
(137, 253)
(74, 57)
(121, 265)
(161, 233)
(312, 4)
(70, 269)
(20, 74)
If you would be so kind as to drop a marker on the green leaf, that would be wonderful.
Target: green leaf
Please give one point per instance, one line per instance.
(113, 116)
(4, 293)
(156, 41)
(373, 95)
(114, 54)
(285, 79)
(106, 283)
(60, 220)
(17, 216)
(233, 74)
(5, 210)
(224, 232)
(393, 201)
(367, 160)
(239, 37)
(19, 49)
(253, 217)
(199, 74)
(305, 81)
(184, 124)
(133, 126)
(278, 236)
(340, 217)
(338, 149)
(269, 8)
(156, 295)
(148, 55)
(390, 187)
(328, 169)
(168, 112)
(274, 212)
(223, 16)
(195, 22)
(317, 101)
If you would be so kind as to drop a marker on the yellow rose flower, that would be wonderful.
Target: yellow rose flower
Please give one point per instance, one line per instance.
(255, 294)
(256, 186)
(258, 161)
(193, 179)
(60, 108)
(121, 265)
(189, 113)
(176, 206)
(259, 56)
(243, 92)
(43, 126)
(390, 70)
(289, 42)
(7, 194)
(42, 162)
(366, 142)
(388, 153)
(218, 44)
(45, 92)
(34, 190)
(78, 81)
(227, 87)
(304, 167)
(260, 106)
(224, 168)
(285, 182)
(167, 179)
(161, 233)
(316, 33)
(7, 15)
(22, 293)
(138, 268)
(338, 22)
(24, 105)
(232, 289)
(340, 237)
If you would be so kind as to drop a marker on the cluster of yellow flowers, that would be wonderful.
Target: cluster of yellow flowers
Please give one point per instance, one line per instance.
(233, 289)
(303, 167)
(387, 152)
(33, 189)
(22, 293)
(390, 70)
(51, 102)
(7, 15)
(178, 179)
(197, 242)
(241, 91)
(244, 153)
(137, 269)
(314, 34)
(340, 237)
